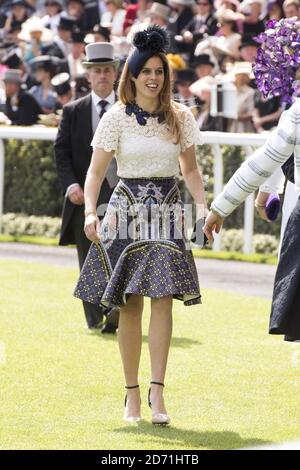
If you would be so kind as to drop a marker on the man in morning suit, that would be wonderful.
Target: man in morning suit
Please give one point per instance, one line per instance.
(73, 155)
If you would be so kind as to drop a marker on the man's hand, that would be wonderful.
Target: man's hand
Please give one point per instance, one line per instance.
(187, 37)
(76, 195)
(92, 228)
(213, 223)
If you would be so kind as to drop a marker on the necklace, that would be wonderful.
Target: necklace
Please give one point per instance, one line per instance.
(141, 115)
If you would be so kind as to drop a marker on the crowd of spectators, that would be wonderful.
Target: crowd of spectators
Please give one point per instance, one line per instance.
(42, 45)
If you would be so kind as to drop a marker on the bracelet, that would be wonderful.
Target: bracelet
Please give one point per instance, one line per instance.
(258, 205)
(86, 213)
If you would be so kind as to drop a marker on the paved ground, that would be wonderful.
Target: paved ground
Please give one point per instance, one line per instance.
(245, 278)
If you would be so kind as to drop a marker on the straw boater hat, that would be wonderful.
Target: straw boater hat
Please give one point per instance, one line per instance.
(158, 9)
(100, 53)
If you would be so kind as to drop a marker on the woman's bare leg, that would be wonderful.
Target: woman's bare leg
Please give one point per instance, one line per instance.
(130, 345)
(160, 332)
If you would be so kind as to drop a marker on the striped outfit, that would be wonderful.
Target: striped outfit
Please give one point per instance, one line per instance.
(282, 142)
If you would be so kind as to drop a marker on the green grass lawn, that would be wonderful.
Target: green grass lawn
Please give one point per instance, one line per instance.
(229, 383)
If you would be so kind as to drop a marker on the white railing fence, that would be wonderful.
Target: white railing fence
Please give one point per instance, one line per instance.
(215, 139)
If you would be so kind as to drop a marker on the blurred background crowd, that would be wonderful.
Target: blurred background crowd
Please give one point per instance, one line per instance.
(212, 42)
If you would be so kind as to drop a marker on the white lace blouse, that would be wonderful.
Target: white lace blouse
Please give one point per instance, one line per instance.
(144, 151)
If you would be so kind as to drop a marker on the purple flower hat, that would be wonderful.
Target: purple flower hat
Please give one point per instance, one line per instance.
(278, 59)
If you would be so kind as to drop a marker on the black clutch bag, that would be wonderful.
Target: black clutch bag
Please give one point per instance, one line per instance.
(288, 169)
(198, 236)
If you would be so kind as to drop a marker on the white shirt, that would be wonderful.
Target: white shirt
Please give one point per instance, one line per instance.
(111, 99)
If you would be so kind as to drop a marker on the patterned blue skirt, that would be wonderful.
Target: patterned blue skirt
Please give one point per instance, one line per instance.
(143, 249)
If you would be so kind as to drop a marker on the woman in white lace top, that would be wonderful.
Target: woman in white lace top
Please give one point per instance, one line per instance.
(140, 249)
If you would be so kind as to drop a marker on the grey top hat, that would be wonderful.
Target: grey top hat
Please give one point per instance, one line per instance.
(185, 3)
(12, 75)
(100, 53)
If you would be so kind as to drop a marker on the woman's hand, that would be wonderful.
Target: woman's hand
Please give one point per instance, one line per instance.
(92, 228)
(213, 223)
(260, 205)
(262, 213)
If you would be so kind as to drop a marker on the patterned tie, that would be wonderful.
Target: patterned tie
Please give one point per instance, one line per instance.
(102, 105)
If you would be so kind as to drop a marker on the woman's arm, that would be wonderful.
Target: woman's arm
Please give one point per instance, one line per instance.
(193, 179)
(255, 170)
(260, 166)
(94, 179)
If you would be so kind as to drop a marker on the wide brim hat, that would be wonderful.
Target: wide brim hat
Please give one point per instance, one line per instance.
(220, 3)
(220, 50)
(18, 2)
(35, 24)
(42, 61)
(239, 68)
(158, 9)
(225, 14)
(12, 60)
(100, 53)
(203, 84)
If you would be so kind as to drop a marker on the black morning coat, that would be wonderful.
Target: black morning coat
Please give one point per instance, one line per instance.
(26, 112)
(73, 153)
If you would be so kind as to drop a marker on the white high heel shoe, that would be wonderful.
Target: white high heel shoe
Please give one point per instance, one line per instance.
(130, 419)
(160, 419)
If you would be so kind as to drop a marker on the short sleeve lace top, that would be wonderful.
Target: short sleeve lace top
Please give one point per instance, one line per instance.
(144, 151)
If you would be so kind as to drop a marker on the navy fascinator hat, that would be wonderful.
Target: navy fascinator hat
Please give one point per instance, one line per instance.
(147, 43)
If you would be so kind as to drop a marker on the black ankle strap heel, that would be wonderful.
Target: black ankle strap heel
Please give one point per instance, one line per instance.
(160, 419)
(131, 419)
(153, 383)
(129, 387)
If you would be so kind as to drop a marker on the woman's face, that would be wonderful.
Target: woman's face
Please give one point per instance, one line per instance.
(241, 79)
(150, 80)
(41, 75)
(226, 27)
(203, 7)
(52, 8)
